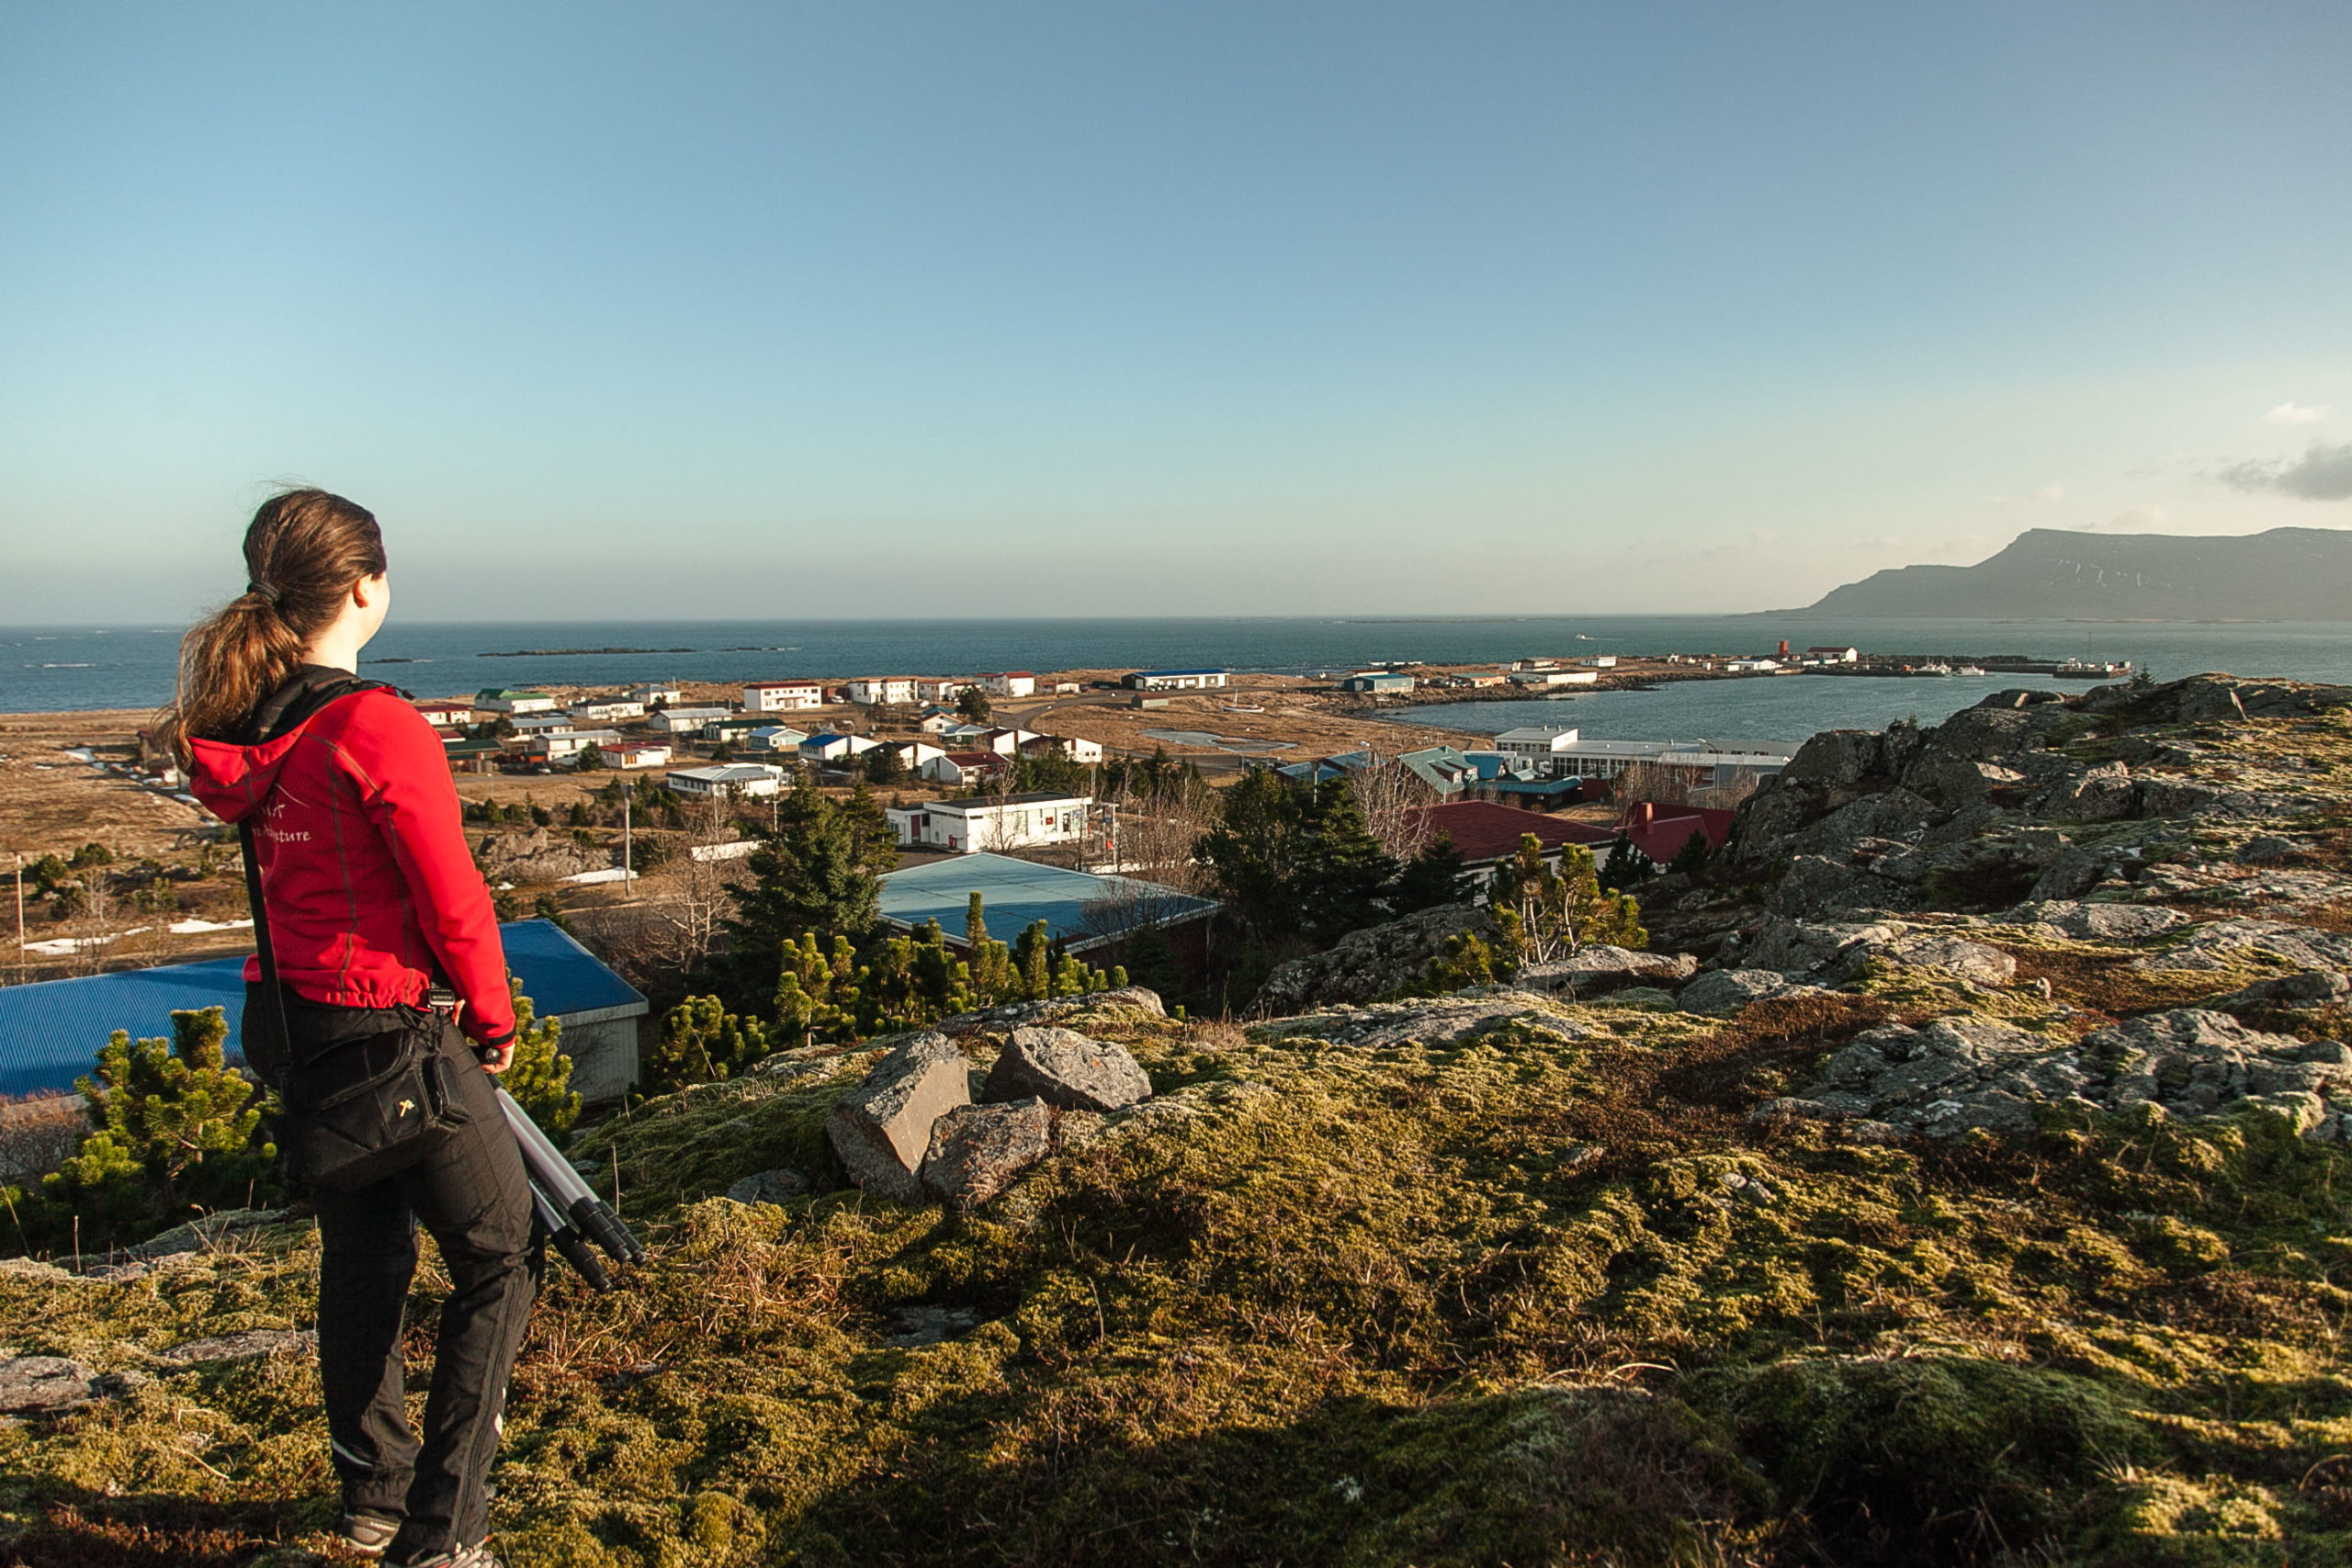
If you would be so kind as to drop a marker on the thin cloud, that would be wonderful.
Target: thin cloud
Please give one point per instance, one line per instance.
(2323, 473)
(2296, 413)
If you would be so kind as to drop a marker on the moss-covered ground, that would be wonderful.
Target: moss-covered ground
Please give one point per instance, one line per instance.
(1543, 1295)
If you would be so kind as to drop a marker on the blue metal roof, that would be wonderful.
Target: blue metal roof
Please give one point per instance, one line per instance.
(1014, 894)
(50, 1031)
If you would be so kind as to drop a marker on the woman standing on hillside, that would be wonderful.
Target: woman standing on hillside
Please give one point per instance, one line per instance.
(371, 897)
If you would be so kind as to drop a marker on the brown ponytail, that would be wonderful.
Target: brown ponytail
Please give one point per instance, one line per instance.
(304, 551)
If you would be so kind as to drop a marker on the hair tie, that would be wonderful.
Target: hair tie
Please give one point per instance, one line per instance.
(263, 591)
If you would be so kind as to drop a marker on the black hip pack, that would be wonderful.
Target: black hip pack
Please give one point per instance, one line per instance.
(365, 1100)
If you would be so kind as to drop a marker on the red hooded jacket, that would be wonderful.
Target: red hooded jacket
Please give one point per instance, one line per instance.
(364, 864)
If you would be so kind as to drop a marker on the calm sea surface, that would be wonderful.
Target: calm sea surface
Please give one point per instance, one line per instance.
(130, 665)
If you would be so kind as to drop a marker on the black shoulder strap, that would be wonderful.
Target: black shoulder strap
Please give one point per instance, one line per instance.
(262, 944)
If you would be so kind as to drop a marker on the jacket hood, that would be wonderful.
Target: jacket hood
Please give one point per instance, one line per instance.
(234, 777)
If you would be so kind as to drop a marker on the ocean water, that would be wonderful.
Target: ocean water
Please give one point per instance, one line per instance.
(129, 665)
(1763, 707)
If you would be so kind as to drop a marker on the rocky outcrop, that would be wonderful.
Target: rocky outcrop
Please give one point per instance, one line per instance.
(1066, 1071)
(1367, 963)
(1721, 992)
(881, 1129)
(1955, 1074)
(1589, 971)
(977, 1151)
(536, 856)
(1129, 999)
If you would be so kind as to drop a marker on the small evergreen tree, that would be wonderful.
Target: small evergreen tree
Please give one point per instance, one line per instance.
(972, 706)
(1627, 865)
(1691, 858)
(1431, 878)
(175, 1131)
(539, 1074)
(1151, 962)
(589, 759)
(884, 765)
(1540, 914)
(701, 1041)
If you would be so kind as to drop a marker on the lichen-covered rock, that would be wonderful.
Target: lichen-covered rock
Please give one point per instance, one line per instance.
(52, 1385)
(2099, 923)
(1466, 1015)
(1972, 961)
(1589, 971)
(1367, 963)
(2310, 987)
(251, 1345)
(977, 1151)
(881, 1129)
(2228, 943)
(996, 1020)
(777, 1185)
(1955, 1074)
(1726, 991)
(1066, 1071)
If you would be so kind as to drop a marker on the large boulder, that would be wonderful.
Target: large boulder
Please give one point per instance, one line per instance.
(1366, 963)
(1589, 971)
(2228, 943)
(1067, 1070)
(1837, 759)
(881, 1129)
(977, 1151)
(1721, 992)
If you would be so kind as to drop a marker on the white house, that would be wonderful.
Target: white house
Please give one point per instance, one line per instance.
(914, 754)
(683, 720)
(1178, 680)
(960, 770)
(1069, 746)
(747, 779)
(774, 737)
(510, 700)
(1003, 741)
(608, 710)
(882, 689)
(831, 749)
(1835, 655)
(1008, 683)
(561, 746)
(1555, 678)
(636, 754)
(1007, 822)
(447, 715)
(962, 737)
(783, 697)
(1752, 666)
(943, 688)
(669, 696)
(543, 724)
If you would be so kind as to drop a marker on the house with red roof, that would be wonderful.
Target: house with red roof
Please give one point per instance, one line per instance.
(1486, 833)
(1661, 832)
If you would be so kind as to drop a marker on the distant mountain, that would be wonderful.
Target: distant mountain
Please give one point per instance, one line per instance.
(2286, 574)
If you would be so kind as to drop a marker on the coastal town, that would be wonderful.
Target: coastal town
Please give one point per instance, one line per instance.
(1010, 763)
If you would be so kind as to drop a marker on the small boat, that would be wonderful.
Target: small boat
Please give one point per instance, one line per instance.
(1968, 670)
(2092, 669)
(1241, 707)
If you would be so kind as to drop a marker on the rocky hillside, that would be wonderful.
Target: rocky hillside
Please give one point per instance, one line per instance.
(1969, 1185)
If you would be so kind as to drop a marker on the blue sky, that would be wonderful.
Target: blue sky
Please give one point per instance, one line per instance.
(1083, 308)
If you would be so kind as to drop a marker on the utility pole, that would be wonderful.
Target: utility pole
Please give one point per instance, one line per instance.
(20, 917)
(627, 876)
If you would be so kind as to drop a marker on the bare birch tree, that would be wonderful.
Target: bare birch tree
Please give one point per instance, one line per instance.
(1395, 802)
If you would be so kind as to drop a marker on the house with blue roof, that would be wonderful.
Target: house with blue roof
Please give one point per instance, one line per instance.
(50, 1031)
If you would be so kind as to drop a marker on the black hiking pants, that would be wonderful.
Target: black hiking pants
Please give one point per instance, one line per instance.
(472, 1195)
